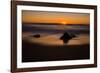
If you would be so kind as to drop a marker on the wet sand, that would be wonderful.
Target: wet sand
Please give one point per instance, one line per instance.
(53, 40)
(35, 52)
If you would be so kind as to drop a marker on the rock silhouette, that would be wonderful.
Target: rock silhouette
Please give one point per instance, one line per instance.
(66, 37)
(36, 35)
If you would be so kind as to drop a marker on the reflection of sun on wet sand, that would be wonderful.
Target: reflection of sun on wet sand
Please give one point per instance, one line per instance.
(54, 40)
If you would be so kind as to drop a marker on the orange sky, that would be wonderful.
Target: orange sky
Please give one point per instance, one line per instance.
(55, 17)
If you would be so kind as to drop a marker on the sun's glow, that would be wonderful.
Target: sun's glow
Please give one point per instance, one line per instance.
(64, 22)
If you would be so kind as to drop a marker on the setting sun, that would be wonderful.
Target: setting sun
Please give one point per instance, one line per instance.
(64, 22)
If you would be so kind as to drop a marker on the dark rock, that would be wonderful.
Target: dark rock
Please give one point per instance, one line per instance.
(66, 37)
(36, 35)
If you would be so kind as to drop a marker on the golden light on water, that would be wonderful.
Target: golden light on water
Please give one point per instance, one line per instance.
(59, 18)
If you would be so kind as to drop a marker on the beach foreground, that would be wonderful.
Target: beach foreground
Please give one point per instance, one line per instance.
(33, 51)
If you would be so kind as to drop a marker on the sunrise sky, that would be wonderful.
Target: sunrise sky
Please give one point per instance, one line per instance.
(55, 17)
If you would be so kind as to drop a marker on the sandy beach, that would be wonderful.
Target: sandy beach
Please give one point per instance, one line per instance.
(51, 48)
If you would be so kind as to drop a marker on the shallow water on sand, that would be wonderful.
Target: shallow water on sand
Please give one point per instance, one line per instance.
(54, 40)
